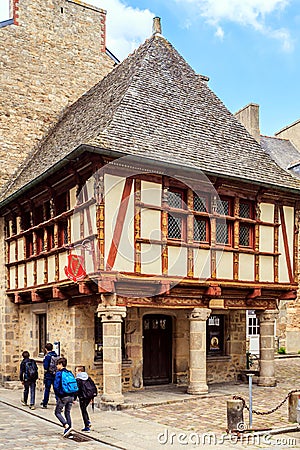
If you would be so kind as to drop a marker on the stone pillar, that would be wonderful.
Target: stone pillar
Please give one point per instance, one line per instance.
(266, 342)
(197, 381)
(112, 317)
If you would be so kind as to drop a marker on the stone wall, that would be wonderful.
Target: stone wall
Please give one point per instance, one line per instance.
(50, 56)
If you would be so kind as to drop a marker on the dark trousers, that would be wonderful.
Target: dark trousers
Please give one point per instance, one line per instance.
(48, 382)
(83, 403)
(64, 403)
(29, 385)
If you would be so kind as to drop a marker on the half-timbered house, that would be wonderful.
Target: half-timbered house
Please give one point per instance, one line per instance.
(144, 226)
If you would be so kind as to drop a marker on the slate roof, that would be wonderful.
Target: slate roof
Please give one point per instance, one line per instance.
(153, 105)
(282, 151)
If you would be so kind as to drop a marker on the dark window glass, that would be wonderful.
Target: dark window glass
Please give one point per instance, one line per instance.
(223, 207)
(42, 332)
(40, 245)
(61, 203)
(200, 203)
(244, 235)
(50, 237)
(99, 339)
(245, 210)
(29, 245)
(174, 227)
(38, 216)
(175, 199)
(222, 232)
(62, 233)
(200, 231)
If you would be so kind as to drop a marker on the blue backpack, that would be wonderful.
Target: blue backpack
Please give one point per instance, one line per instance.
(68, 382)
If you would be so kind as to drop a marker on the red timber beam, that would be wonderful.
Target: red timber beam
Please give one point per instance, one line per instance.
(286, 244)
(119, 224)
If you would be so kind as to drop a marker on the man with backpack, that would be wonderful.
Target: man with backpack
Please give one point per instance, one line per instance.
(49, 364)
(65, 388)
(28, 377)
(87, 391)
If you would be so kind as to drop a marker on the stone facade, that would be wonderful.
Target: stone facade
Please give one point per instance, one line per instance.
(50, 56)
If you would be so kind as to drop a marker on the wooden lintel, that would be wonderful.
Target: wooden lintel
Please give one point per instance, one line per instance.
(164, 288)
(289, 295)
(213, 291)
(18, 298)
(254, 293)
(57, 293)
(106, 286)
(84, 288)
(35, 297)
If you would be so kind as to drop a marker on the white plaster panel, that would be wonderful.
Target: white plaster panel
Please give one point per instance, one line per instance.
(246, 267)
(151, 259)
(51, 269)
(40, 271)
(30, 276)
(91, 210)
(88, 260)
(224, 261)
(266, 268)
(177, 261)
(113, 188)
(62, 262)
(75, 227)
(21, 249)
(150, 224)
(151, 193)
(125, 255)
(21, 275)
(12, 277)
(12, 251)
(72, 197)
(267, 212)
(266, 239)
(202, 264)
(90, 188)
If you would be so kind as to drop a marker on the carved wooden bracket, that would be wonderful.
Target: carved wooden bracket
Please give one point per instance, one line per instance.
(254, 293)
(289, 295)
(213, 291)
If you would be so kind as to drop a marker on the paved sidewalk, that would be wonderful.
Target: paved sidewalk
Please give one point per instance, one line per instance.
(151, 416)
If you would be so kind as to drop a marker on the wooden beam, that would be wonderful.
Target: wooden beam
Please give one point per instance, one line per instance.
(254, 293)
(57, 293)
(289, 295)
(213, 291)
(35, 297)
(119, 224)
(286, 244)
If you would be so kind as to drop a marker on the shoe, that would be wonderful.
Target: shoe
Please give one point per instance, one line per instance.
(32, 407)
(23, 403)
(87, 429)
(67, 431)
(89, 424)
(44, 406)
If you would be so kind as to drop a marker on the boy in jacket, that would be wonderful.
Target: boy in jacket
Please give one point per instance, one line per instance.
(49, 375)
(81, 378)
(63, 400)
(28, 377)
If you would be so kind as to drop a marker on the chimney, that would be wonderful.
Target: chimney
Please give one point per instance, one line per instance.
(156, 29)
(249, 117)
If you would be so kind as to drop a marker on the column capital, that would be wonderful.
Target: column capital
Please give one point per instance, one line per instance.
(269, 315)
(200, 314)
(111, 314)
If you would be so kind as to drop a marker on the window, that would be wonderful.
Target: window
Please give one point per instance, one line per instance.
(253, 325)
(200, 203)
(38, 215)
(200, 229)
(176, 221)
(50, 237)
(215, 335)
(40, 246)
(224, 227)
(29, 245)
(61, 203)
(42, 331)
(99, 339)
(62, 233)
(246, 230)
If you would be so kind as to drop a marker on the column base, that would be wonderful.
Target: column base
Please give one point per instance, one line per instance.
(113, 399)
(266, 381)
(197, 389)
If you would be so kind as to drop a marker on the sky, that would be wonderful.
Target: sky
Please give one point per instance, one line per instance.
(249, 49)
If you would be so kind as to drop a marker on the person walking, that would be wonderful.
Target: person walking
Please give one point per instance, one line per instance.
(65, 388)
(87, 391)
(49, 363)
(28, 377)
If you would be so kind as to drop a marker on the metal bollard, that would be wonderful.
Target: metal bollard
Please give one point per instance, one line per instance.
(294, 408)
(234, 415)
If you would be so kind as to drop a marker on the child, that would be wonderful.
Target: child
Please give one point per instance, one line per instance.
(28, 377)
(87, 391)
(64, 399)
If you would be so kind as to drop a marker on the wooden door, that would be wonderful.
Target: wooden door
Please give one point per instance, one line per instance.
(157, 349)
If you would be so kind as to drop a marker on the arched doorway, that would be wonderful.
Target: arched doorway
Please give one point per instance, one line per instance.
(157, 349)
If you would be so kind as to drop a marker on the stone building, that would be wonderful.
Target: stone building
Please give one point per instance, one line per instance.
(284, 149)
(141, 229)
(51, 52)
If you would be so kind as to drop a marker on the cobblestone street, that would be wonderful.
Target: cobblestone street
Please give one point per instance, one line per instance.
(209, 413)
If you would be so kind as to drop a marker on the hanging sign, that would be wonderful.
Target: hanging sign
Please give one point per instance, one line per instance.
(75, 270)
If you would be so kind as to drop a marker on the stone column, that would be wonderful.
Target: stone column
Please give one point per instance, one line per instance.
(112, 317)
(197, 382)
(266, 342)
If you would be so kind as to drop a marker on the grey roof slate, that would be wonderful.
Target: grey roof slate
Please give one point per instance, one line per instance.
(153, 105)
(282, 151)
